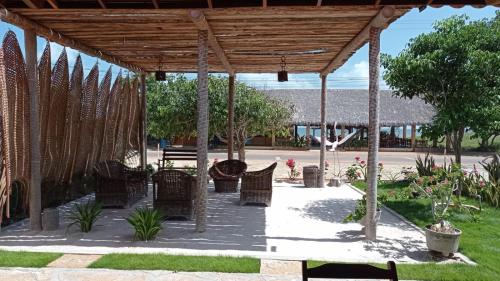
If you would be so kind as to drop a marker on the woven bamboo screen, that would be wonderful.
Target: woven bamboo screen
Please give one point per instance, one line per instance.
(82, 121)
(15, 115)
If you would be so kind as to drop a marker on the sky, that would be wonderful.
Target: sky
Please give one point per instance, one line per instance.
(352, 75)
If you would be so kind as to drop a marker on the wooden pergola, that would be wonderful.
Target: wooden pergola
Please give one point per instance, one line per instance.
(205, 36)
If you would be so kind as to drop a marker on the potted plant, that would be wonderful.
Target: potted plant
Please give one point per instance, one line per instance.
(441, 236)
(359, 213)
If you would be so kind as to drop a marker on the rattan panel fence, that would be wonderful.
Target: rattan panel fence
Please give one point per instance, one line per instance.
(15, 113)
(81, 123)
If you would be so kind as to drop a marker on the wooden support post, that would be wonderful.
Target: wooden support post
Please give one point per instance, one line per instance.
(342, 131)
(273, 140)
(373, 133)
(202, 132)
(308, 135)
(230, 119)
(404, 132)
(413, 137)
(35, 202)
(321, 182)
(143, 123)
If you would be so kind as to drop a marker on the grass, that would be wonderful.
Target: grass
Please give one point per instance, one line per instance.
(26, 259)
(178, 263)
(480, 240)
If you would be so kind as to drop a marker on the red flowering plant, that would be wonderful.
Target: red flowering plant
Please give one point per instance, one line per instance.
(294, 173)
(360, 170)
(440, 188)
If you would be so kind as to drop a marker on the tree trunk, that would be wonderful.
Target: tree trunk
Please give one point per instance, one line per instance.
(202, 130)
(456, 142)
(241, 152)
(373, 134)
(35, 202)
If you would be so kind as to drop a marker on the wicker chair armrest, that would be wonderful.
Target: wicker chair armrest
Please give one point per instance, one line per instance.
(220, 175)
(255, 174)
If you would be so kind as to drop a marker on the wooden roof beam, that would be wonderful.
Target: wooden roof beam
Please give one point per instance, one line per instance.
(156, 3)
(201, 23)
(264, 3)
(53, 36)
(34, 4)
(319, 3)
(102, 4)
(210, 4)
(381, 19)
(53, 4)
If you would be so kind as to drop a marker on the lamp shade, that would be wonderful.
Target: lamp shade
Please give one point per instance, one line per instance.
(282, 76)
(160, 76)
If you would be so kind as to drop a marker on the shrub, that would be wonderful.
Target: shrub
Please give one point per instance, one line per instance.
(425, 166)
(352, 173)
(85, 215)
(491, 188)
(360, 210)
(146, 222)
(294, 173)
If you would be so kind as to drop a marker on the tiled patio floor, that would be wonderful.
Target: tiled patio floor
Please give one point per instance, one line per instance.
(301, 223)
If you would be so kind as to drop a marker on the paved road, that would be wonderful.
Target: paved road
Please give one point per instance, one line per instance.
(345, 157)
(393, 161)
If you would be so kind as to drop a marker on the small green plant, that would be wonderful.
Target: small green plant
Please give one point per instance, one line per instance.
(491, 188)
(190, 169)
(150, 169)
(360, 210)
(85, 215)
(425, 166)
(146, 222)
(352, 174)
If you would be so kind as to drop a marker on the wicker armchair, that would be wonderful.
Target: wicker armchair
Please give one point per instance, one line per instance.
(174, 193)
(226, 175)
(119, 185)
(257, 187)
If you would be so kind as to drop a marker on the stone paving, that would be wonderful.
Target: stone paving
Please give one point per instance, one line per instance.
(302, 223)
(52, 274)
(74, 261)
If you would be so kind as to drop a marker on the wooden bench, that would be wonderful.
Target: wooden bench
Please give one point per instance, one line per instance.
(177, 154)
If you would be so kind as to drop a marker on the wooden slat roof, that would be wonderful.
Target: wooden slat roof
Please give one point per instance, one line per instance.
(252, 38)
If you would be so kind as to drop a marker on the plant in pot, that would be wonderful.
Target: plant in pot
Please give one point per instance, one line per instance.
(359, 213)
(441, 236)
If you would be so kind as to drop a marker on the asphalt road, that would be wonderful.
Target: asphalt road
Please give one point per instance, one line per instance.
(390, 159)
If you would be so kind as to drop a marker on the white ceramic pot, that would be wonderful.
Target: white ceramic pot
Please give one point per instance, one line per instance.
(445, 243)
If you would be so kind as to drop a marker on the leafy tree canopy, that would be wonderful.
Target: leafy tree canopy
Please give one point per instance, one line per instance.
(455, 68)
(172, 110)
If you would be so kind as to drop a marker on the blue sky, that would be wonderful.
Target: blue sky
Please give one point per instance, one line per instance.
(353, 74)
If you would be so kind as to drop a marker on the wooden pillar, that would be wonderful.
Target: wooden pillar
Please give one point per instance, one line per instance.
(342, 131)
(413, 137)
(35, 202)
(273, 140)
(322, 151)
(230, 119)
(202, 131)
(373, 133)
(404, 132)
(143, 123)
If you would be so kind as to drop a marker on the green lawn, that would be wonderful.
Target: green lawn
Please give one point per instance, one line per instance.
(480, 240)
(26, 259)
(178, 263)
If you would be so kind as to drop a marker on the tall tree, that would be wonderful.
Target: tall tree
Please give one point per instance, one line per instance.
(455, 69)
(172, 110)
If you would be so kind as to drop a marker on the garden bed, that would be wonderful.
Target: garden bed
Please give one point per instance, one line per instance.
(480, 239)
